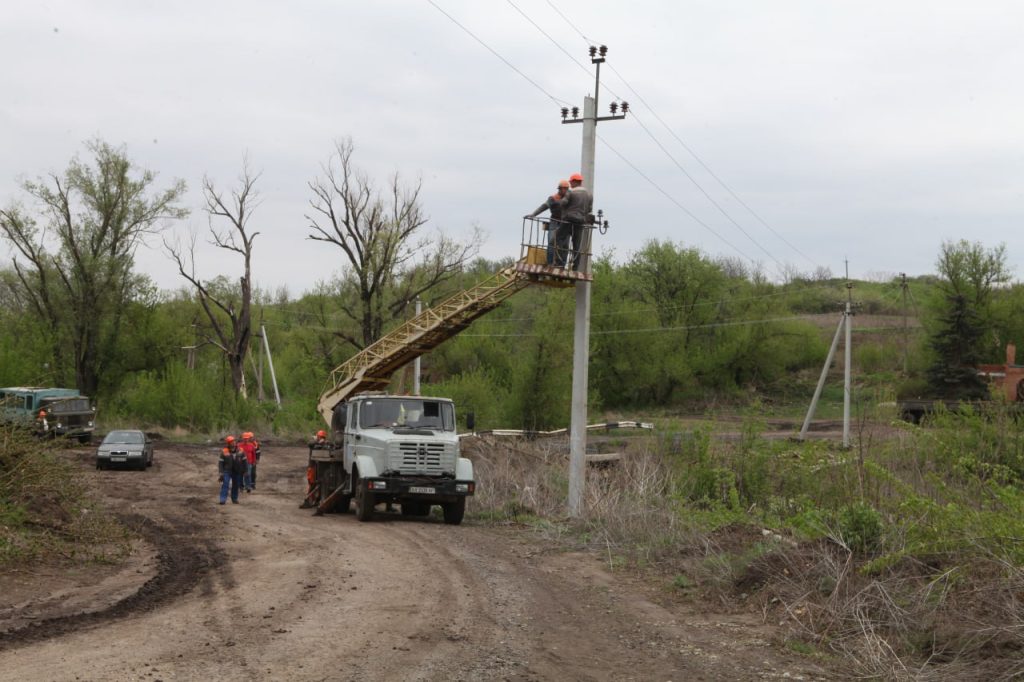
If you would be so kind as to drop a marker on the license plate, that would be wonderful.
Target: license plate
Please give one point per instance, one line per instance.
(421, 490)
(118, 459)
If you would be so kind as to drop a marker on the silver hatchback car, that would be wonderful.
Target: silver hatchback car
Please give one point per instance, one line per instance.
(131, 448)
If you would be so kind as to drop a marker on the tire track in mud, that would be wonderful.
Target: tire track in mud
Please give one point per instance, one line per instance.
(182, 562)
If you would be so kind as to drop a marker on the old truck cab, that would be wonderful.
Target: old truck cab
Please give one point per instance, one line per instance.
(396, 449)
(49, 411)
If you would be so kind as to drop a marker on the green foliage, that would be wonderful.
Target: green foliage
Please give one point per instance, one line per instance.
(860, 527)
(964, 331)
(474, 392)
(196, 400)
(76, 246)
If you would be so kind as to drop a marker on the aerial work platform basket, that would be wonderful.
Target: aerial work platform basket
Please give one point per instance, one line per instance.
(548, 255)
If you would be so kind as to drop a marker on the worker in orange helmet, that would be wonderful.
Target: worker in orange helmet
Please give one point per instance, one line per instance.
(319, 442)
(251, 448)
(576, 208)
(556, 228)
(231, 467)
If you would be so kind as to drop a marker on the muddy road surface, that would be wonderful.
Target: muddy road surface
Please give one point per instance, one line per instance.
(263, 590)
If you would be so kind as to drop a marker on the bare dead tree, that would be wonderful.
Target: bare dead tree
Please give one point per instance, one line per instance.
(390, 261)
(228, 312)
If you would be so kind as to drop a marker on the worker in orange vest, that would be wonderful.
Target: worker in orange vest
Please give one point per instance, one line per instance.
(251, 447)
(231, 468)
(319, 442)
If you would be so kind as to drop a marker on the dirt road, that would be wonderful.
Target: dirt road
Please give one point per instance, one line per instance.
(263, 590)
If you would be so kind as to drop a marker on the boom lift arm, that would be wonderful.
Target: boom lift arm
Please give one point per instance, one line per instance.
(372, 367)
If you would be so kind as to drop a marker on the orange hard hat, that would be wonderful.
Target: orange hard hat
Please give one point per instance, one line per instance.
(321, 434)
(247, 435)
(563, 183)
(576, 177)
(229, 439)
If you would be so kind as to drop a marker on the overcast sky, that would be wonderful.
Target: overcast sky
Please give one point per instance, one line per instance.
(869, 131)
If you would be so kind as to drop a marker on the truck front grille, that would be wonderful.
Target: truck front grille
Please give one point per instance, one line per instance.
(410, 457)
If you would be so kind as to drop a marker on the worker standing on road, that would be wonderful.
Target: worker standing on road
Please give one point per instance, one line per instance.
(576, 208)
(251, 448)
(556, 228)
(231, 467)
(319, 442)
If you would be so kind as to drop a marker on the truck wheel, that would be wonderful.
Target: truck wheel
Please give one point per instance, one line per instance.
(454, 511)
(364, 501)
(343, 505)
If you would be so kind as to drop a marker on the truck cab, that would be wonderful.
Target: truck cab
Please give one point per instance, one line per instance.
(49, 411)
(394, 449)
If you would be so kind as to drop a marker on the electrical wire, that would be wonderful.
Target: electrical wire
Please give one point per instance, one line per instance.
(682, 143)
(707, 168)
(633, 166)
(674, 201)
(703, 191)
(499, 56)
(652, 330)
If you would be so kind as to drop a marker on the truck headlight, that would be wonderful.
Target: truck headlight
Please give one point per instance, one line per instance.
(378, 485)
(463, 487)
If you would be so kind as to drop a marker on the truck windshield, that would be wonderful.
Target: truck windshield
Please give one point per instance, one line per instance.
(411, 413)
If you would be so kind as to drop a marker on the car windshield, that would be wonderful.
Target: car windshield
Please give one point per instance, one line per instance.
(126, 437)
(407, 413)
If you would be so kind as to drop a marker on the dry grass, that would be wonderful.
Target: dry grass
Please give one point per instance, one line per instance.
(950, 616)
(46, 513)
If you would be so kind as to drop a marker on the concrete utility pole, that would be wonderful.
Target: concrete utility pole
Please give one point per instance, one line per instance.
(581, 337)
(847, 375)
(906, 339)
(270, 361)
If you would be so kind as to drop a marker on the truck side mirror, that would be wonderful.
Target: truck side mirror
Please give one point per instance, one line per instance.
(471, 421)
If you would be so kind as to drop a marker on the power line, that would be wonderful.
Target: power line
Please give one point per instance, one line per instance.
(687, 148)
(656, 141)
(635, 168)
(553, 41)
(496, 54)
(710, 172)
(674, 201)
(651, 330)
(705, 192)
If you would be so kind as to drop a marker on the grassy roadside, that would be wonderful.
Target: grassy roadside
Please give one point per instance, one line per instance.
(902, 557)
(47, 515)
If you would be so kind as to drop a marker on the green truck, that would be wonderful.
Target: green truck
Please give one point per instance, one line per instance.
(49, 412)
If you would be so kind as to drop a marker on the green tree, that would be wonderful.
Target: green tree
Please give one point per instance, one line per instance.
(73, 259)
(963, 335)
